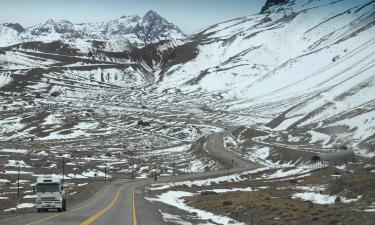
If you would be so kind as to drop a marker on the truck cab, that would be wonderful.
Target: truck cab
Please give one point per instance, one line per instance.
(50, 193)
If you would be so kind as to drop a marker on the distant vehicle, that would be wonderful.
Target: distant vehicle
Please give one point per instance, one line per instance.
(50, 193)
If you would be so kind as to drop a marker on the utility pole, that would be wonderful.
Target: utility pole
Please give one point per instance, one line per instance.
(252, 219)
(18, 181)
(63, 170)
(228, 173)
(132, 169)
(161, 161)
(174, 168)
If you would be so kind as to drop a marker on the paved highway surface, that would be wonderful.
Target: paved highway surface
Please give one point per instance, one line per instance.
(121, 202)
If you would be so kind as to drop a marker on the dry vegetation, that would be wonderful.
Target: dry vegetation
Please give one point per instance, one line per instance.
(274, 204)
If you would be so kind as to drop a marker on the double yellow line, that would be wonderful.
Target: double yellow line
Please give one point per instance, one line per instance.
(114, 200)
(134, 212)
(101, 212)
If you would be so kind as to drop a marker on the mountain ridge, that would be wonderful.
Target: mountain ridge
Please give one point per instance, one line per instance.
(140, 31)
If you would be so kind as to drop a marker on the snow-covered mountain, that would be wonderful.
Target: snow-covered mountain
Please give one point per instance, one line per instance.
(139, 31)
(303, 71)
(11, 33)
(305, 67)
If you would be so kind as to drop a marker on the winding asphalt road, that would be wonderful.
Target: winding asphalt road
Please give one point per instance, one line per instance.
(122, 202)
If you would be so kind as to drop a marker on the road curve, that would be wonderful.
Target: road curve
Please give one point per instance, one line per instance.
(215, 146)
(122, 202)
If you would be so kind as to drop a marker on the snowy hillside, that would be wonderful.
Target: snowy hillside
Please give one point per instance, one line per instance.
(140, 31)
(307, 67)
(300, 74)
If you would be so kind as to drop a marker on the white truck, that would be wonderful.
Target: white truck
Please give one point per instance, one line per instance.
(50, 193)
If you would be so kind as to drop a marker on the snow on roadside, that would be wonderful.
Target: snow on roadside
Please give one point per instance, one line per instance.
(169, 218)
(83, 184)
(248, 189)
(16, 172)
(20, 206)
(287, 172)
(29, 196)
(175, 198)
(76, 176)
(25, 205)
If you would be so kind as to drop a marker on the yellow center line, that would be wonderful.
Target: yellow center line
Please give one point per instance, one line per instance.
(74, 209)
(101, 212)
(134, 212)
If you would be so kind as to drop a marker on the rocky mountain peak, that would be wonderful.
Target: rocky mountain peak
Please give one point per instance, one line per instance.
(51, 26)
(139, 30)
(155, 26)
(49, 22)
(151, 15)
(64, 26)
(270, 3)
(132, 18)
(15, 26)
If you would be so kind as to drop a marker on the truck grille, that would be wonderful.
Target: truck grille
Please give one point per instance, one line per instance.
(48, 198)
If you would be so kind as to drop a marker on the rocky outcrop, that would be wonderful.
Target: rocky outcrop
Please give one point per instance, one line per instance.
(15, 26)
(271, 3)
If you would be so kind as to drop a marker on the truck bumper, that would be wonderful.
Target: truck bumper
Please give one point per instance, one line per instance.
(49, 205)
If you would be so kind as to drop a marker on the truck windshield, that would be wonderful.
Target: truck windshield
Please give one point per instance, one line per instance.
(47, 187)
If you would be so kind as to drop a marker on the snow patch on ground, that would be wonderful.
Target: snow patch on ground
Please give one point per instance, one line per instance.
(248, 189)
(5, 79)
(83, 184)
(16, 163)
(287, 172)
(29, 196)
(95, 173)
(175, 198)
(321, 199)
(18, 151)
(4, 181)
(169, 218)
(20, 206)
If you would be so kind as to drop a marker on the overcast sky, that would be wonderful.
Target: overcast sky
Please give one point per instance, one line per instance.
(189, 15)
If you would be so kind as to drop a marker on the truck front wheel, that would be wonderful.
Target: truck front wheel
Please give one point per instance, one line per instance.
(39, 210)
